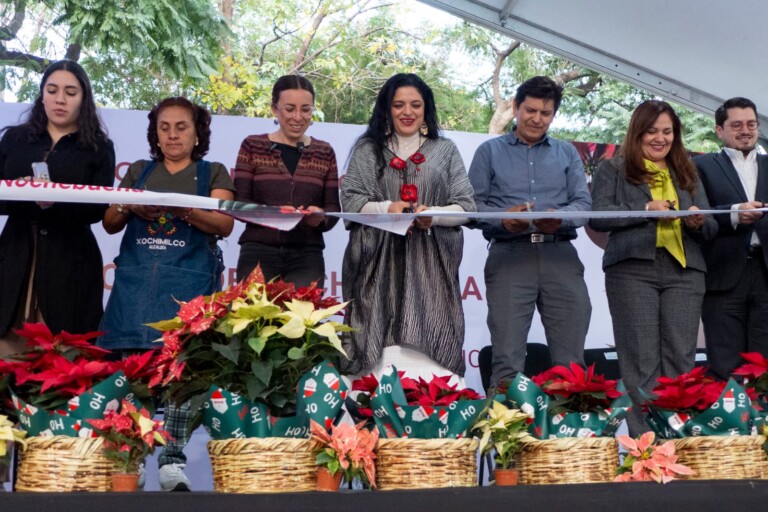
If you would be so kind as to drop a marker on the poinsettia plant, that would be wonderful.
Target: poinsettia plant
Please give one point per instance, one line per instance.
(755, 374)
(435, 392)
(646, 461)
(576, 389)
(8, 435)
(255, 338)
(347, 448)
(502, 430)
(692, 391)
(56, 368)
(130, 435)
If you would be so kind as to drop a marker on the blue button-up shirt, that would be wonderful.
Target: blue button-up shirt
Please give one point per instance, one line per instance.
(506, 172)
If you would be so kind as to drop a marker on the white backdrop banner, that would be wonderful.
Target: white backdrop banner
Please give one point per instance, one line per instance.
(128, 128)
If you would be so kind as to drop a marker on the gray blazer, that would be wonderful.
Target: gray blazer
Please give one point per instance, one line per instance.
(636, 237)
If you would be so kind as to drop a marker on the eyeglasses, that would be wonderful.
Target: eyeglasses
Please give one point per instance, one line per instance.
(290, 111)
(738, 125)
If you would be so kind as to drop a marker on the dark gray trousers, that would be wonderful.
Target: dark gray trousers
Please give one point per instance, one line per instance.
(655, 307)
(521, 277)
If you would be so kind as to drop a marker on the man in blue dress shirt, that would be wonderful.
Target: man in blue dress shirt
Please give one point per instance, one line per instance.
(532, 264)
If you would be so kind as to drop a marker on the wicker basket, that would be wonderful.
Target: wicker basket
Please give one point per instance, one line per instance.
(269, 464)
(569, 460)
(61, 463)
(722, 457)
(425, 463)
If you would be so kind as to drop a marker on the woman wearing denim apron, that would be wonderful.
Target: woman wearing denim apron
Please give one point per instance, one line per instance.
(167, 253)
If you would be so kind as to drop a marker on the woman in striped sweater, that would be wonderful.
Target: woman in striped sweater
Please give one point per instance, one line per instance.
(288, 168)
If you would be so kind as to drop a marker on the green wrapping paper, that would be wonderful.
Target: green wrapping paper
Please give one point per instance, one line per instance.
(321, 393)
(92, 404)
(395, 418)
(525, 395)
(732, 414)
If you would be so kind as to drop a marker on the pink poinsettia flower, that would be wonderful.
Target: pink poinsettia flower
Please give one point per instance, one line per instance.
(647, 462)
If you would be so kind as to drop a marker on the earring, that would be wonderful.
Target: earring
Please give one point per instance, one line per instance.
(275, 121)
(388, 129)
(197, 141)
(424, 129)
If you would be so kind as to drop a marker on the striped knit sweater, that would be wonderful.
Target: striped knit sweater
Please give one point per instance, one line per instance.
(262, 178)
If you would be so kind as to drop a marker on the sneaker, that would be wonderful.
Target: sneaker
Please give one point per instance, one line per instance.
(142, 475)
(172, 478)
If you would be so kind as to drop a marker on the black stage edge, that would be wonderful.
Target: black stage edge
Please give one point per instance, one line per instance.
(696, 496)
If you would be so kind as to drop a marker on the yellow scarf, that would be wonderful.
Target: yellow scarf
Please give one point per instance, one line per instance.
(669, 234)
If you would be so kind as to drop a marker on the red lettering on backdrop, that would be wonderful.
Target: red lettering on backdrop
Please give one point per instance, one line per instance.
(471, 288)
(118, 170)
(231, 277)
(335, 285)
(109, 270)
(472, 359)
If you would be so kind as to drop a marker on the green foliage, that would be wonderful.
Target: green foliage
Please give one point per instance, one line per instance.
(181, 38)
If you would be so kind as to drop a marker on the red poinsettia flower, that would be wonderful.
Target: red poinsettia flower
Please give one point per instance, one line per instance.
(39, 335)
(409, 193)
(690, 391)
(139, 366)
(72, 377)
(398, 163)
(436, 392)
(200, 313)
(755, 373)
(576, 389)
(366, 383)
(418, 158)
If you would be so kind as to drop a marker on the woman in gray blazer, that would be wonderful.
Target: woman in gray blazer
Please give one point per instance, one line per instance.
(654, 268)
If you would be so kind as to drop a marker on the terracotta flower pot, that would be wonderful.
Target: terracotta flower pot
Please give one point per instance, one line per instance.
(328, 482)
(506, 476)
(125, 482)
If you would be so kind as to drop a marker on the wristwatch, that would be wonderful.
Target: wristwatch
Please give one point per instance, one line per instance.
(121, 208)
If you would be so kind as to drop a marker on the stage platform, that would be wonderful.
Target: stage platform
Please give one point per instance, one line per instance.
(696, 496)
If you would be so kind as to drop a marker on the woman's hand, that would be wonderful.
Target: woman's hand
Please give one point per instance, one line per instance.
(694, 221)
(422, 222)
(398, 206)
(148, 212)
(313, 220)
(663, 206)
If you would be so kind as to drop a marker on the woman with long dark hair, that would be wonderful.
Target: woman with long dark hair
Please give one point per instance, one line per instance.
(167, 254)
(50, 264)
(654, 267)
(404, 290)
(288, 168)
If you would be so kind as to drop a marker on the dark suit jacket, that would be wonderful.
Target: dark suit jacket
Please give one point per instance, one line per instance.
(68, 264)
(635, 237)
(726, 255)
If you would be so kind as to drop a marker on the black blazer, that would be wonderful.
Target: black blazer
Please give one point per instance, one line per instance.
(635, 237)
(68, 264)
(726, 255)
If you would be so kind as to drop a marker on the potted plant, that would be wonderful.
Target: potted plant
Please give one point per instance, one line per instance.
(258, 360)
(8, 436)
(346, 451)
(255, 339)
(646, 461)
(502, 431)
(129, 436)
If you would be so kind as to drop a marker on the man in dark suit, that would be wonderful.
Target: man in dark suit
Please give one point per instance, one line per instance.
(735, 312)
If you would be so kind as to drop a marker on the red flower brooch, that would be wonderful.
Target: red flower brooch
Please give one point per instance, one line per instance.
(409, 193)
(400, 164)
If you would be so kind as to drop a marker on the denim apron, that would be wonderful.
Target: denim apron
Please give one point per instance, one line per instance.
(159, 261)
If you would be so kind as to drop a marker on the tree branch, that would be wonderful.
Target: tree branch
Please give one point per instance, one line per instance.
(21, 59)
(501, 56)
(10, 30)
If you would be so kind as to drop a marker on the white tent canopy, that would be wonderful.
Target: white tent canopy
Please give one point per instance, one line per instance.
(694, 52)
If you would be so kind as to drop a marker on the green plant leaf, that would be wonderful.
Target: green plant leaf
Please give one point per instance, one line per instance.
(262, 370)
(296, 353)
